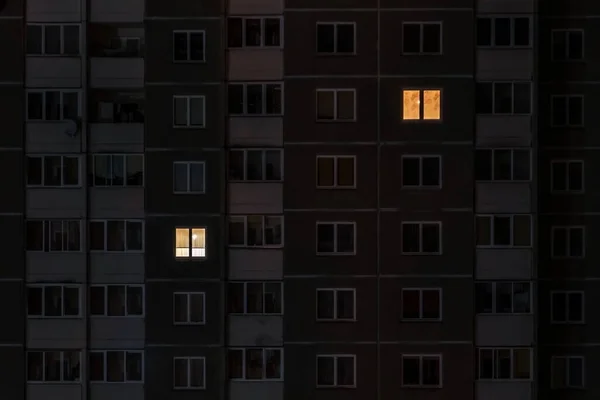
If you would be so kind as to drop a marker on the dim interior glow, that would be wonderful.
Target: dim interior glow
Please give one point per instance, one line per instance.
(194, 237)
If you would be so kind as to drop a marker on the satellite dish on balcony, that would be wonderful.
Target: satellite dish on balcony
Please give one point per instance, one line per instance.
(71, 126)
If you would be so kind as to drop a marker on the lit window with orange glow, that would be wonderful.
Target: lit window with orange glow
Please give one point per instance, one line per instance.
(190, 243)
(421, 105)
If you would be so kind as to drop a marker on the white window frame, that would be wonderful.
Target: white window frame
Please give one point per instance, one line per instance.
(420, 290)
(264, 292)
(262, 31)
(335, 358)
(567, 33)
(335, 105)
(43, 286)
(106, 301)
(62, 26)
(492, 164)
(42, 157)
(421, 25)
(46, 237)
(263, 164)
(567, 178)
(335, 292)
(421, 224)
(567, 294)
(264, 217)
(62, 92)
(494, 298)
(191, 248)
(125, 170)
(420, 357)
(495, 361)
(335, 251)
(188, 34)
(335, 25)
(188, 165)
(263, 85)
(421, 118)
(335, 170)
(567, 359)
(512, 44)
(512, 88)
(188, 296)
(264, 363)
(126, 250)
(567, 98)
(492, 220)
(62, 381)
(568, 231)
(188, 100)
(188, 361)
(105, 365)
(422, 157)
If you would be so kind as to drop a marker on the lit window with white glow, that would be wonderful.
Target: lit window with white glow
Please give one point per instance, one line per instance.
(190, 243)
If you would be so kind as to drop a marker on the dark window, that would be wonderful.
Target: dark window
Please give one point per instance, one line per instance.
(335, 38)
(423, 171)
(567, 45)
(421, 238)
(418, 38)
(337, 237)
(335, 304)
(336, 371)
(503, 98)
(188, 46)
(336, 171)
(421, 304)
(421, 370)
(567, 111)
(503, 32)
(567, 176)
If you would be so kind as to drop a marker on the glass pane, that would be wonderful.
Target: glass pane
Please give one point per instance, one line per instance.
(237, 231)
(180, 308)
(97, 366)
(325, 371)
(180, 372)
(502, 231)
(345, 38)
(411, 38)
(71, 301)
(411, 238)
(254, 99)
(559, 176)
(484, 32)
(35, 366)
(180, 46)
(234, 32)
(345, 371)
(325, 38)
(410, 371)
(325, 238)
(432, 107)
(345, 304)
(575, 41)
(198, 242)
(254, 364)
(52, 366)
(521, 364)
(502, 31)
(236, 165)
(504, 298)
(273, 231)
(71, 366)
(575, 372)
(325, 105)
(484, 298)
(431, 304)
(35, 235)
(272, 32)
(521, 31)
(273, 298)
(196, 308)
(115, 366)
(502, 165)
(197, 372)
(522, 98)
(235, 98)
(135, 170)
(345, 105)
(53, 301)
(97, 235)
(411, 174)
(484, 94)
(197, 177)
(273, 99)
(71, 40)
(431, 371)
(135, 234)
(52, 39)
(411, 304)
(503, 98)
(521, 165)
(522, 297)
(345, 238)
(118, 170)
(345, 171)
(254, 165)
(273, 165)
(97, 299)
(431, 238)
(182, 242)
(254, 298)
(70, 106)
(235, 298)
(575, 307)
(102, 170)
(180, 112)
(70, 171)
(522, 230)
(325, 171)
(35, 106)
(197, 46)
(483, 165)
(34, 39)
(486, 364)
(236, 364)
(575, 177)
(197, 111)
(253, 32)
(52, 171)
(325, 304)
(254, 230)
(135, 300)
(484, 231)
(430, 171)
(53, 106)
(576, 242)
(34, 301)
(115, 236)
(559, 307)
(116, 301)
(273, 364)
(56, 236)
(432, 38)
(575, 111)
(503, 364)
(180, 177)
(411, 105)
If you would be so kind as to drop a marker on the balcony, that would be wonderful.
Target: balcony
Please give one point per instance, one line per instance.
(56, 266)
(505, 64)
(502, 390)
(117, 267)
(56, 203)
(117, 10)
(266, 390)
(255, 64)
(504, 330)
(117, 333)
(255, 330)
(503, 130)
(117, 391)
(54, 11)
(117, 202)
(498, 264)
(255, 264)
(255, 198)
(503, 197)
(256, 131)
(255, 7)
(58, 333)
(64, 391)
(52, 137)
(53, 72)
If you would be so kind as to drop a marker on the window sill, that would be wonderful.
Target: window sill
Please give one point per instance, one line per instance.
(189, 126)
(335, 254)
(420, 320)
(337, 320)
(241, 246)
(336, 386)
(255, 380)
(182, 388)
(423, 54)
(487, 247)
(422, 386)
(503, 380)
(335, 121)
(54, 383)
(255, 181)
(53, 55)
(117, 316)
(422, 121)
(190, 258)
(117, 382)
(255, 115)
(39, 317)
(567, 192)
(54, 187)
(421, 187)
(577, 323)
(336, 187)
(189, 61)
(422, 254)
(189, 323)
(189, 193)
(255, 315)
(324, 55)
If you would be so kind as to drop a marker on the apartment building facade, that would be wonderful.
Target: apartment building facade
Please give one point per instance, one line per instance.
(297, 199)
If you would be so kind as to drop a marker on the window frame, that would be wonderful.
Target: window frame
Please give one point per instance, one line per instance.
(512, 19)
(105, 365)
(336, 318)
(335, 25)
(335, 158)
(567, 32)
(439, 224)
(263, 224)
(492, 220)
(262, 19)
(62, 286)
(190, 248)
(494, 350)
(421, 25)
(512, 87)
(263, 151)
(264, 364)
(421, 119)
(125, 221)
(43, 157)
(494, 311)
(188, 165)
(44, 92)
(567, 177)
(46, 237)
(188, 360)
(263, 93)
(335, 92)
(335, 251)
(567, 98)
(188, 99)
(566, 359)
(568, 229)
(567, 320)
(421, 158)
(188, 33)
(124, 156)
(43, 26)
(61, 381)
(421, 291)
(264, 292)
(189, 321)
(492, 163)
(420, 357)
(335, 358)
(126, 303)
